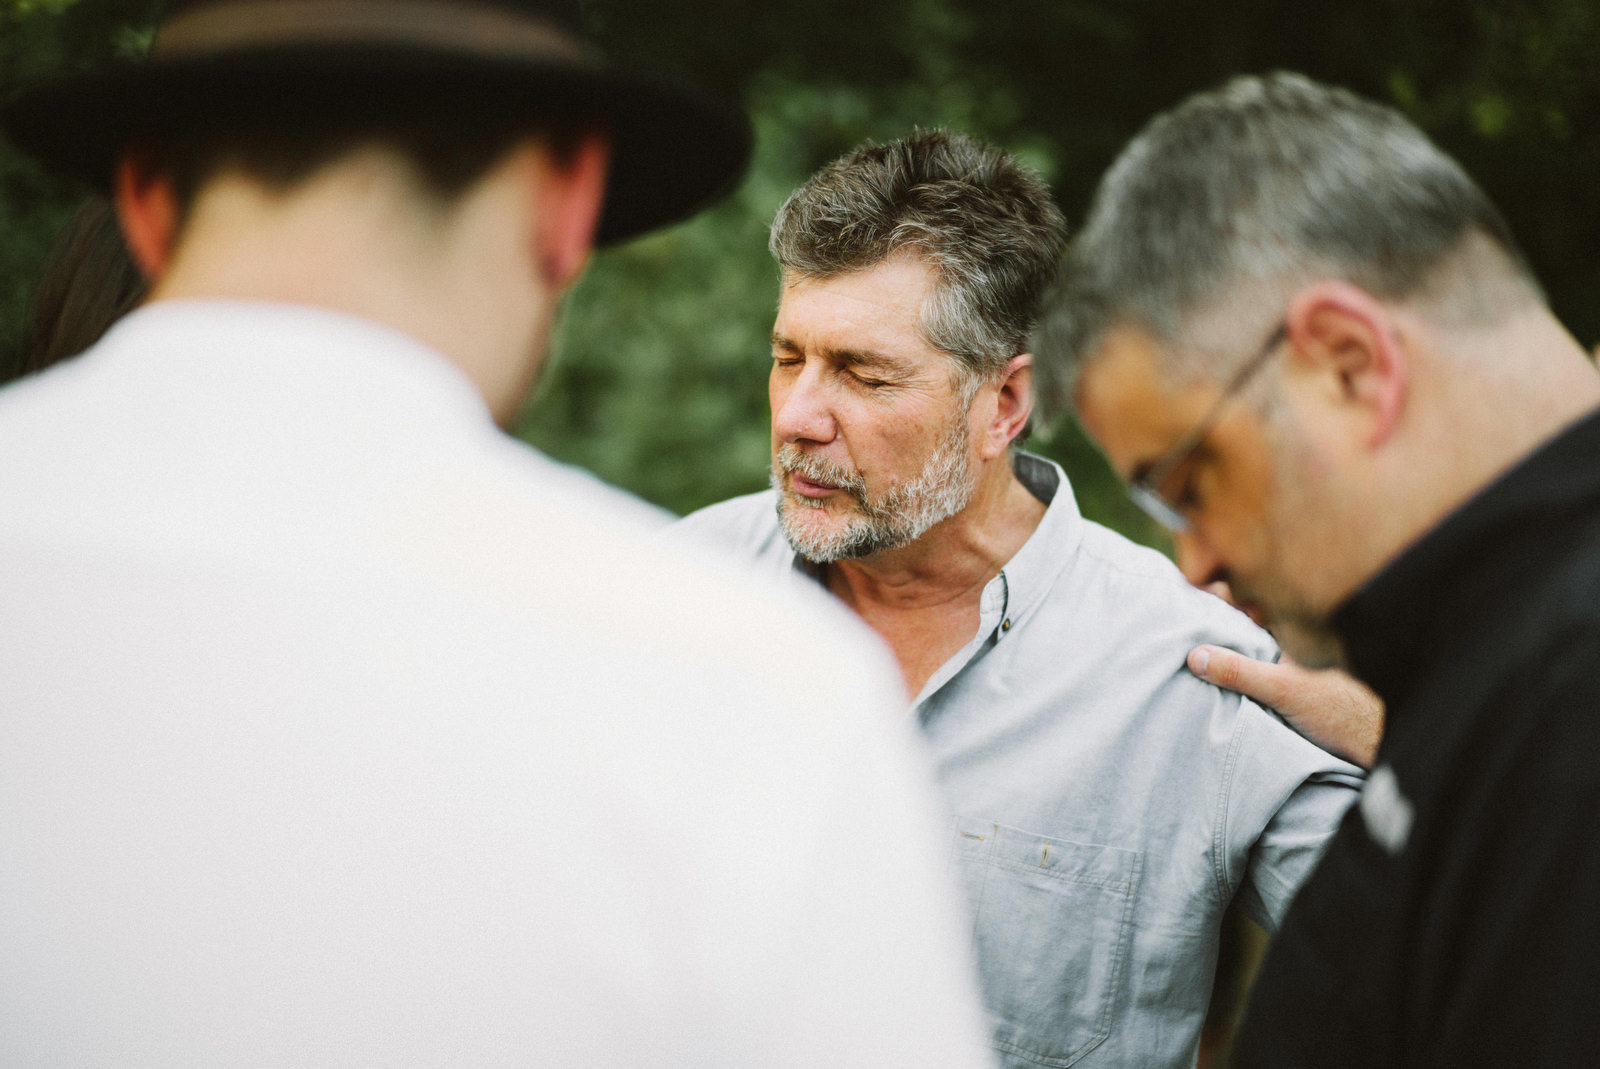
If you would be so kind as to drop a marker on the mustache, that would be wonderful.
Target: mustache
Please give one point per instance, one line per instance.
(791, 459)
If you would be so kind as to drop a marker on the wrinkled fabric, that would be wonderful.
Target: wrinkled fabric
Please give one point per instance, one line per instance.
(1106, 805)
(339, 729)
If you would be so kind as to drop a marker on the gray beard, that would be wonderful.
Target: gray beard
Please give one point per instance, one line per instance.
(941, 489)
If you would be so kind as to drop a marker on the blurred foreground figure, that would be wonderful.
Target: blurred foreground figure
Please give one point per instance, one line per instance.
(1303, 331)
(89, 283)
(339, 728)
(1108, 805)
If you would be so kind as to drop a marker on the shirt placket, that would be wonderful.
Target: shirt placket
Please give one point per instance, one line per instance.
(994, 621)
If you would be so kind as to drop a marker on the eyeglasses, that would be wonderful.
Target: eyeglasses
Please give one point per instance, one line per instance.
(1146, 489)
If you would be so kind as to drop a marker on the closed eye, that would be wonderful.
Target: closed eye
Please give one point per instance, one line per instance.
(1185, 494)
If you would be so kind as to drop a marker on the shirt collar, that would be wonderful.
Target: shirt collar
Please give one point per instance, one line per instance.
(1029, 575)
(1471, 560)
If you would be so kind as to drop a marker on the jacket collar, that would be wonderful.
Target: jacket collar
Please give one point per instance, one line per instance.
(1467, 567)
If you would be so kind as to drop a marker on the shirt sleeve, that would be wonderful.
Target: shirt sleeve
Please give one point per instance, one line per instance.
(1283, 799)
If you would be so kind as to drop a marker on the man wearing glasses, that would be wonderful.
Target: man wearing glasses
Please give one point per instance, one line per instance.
(1403, 476)
(1107, 804)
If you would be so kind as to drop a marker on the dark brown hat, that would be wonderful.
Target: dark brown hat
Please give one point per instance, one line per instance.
(215, 61)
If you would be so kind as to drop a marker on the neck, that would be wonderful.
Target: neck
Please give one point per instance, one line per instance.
(359, 238)
(1500, 396)
(924, 598)
(955, 559)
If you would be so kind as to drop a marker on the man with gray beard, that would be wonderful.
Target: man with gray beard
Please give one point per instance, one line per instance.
(1106, 804)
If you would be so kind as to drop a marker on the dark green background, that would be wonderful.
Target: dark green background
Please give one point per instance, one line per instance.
(659, 377)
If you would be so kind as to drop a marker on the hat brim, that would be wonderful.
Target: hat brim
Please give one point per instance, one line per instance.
(674, 149)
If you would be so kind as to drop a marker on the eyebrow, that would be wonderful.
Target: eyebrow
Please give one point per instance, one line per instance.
(850, 357)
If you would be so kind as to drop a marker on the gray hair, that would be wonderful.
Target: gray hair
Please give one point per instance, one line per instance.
(983, 220)
(1246, 193)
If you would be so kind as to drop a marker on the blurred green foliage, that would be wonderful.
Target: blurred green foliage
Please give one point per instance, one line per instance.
(39, 38)
(659, 379)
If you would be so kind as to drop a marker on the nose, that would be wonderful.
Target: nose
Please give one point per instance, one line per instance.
(1199, 563)
(800, 409)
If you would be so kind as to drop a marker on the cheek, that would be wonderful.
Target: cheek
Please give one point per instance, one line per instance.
(1236, 519)
(776, 390)
(1233, 540)
(1310, 538)
(898, 441)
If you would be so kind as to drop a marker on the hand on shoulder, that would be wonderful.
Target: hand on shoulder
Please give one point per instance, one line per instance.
(1331, 708)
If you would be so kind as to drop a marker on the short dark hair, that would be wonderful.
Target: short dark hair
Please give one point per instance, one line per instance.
(450, 137)
(1269, 180)
(981, 218)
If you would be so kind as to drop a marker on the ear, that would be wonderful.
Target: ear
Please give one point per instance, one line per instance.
(1349, 344)
(147, 208)
(572, 195)
(1013, 407)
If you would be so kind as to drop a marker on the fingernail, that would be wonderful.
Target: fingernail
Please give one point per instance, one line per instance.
(1199, 660)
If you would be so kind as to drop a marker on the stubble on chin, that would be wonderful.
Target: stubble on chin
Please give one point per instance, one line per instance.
(810, 524)
(861, 524)
(1309, 640)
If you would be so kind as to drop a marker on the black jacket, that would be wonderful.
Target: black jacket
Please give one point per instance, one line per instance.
(1455, 919)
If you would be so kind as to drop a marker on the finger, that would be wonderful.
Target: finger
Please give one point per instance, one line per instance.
(1336, 712)
(1267, 683)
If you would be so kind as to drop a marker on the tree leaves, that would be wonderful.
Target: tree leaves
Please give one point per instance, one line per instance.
(659, 379)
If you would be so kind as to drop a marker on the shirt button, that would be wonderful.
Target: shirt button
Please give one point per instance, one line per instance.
(1005, 624)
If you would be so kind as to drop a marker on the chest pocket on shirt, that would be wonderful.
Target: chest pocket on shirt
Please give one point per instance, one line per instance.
(1053, 920)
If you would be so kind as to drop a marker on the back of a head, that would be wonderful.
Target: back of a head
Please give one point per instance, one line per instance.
(281, 120)
(980, 217)
(277, 89)
(1255, 188)
(440, 152)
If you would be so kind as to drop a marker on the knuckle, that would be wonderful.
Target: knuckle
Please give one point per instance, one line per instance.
(1225, 670)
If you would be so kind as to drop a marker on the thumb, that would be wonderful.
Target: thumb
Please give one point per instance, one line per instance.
(1336, 712)
(1263, 681)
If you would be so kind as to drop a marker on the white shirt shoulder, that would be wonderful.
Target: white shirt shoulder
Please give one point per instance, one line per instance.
(341, 728)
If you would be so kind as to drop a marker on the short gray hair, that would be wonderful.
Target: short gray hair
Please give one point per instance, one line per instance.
(1272, 181)
(983, 220)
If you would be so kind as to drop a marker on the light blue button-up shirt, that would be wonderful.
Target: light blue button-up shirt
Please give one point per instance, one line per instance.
(1106, 804)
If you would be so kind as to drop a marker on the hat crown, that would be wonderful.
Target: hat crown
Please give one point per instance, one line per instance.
(214, 62)
(566, 14)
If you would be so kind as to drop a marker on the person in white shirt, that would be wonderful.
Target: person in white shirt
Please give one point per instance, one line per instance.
(340, 729)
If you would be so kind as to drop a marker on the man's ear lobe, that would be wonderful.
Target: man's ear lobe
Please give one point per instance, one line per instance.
(147, 209)
(1350, 345)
